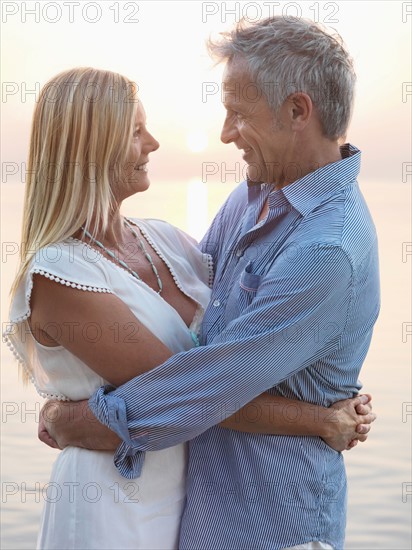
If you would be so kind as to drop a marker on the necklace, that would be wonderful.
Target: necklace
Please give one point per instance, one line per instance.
(123, 263)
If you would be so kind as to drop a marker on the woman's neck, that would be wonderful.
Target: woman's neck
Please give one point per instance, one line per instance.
(116, 233)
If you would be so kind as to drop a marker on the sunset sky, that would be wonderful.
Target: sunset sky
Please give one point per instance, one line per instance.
(161, 45)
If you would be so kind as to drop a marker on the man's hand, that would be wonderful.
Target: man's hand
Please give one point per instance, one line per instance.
(43, 432)
(349, 422)
(71, 423)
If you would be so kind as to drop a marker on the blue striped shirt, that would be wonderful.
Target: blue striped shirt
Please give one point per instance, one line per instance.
(294, 302)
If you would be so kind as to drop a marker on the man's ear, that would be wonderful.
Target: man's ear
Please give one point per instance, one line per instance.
(299, 109)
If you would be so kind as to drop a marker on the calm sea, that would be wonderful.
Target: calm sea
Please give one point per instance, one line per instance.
(379, 472)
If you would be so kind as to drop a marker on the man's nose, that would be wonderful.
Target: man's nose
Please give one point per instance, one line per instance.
(229, 131)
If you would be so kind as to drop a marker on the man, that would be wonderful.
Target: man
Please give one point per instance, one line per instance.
(295, 298)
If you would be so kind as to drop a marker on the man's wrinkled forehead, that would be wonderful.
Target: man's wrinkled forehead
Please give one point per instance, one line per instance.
(236, 81)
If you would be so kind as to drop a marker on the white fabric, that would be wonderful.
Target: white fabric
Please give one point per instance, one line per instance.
(89, 505)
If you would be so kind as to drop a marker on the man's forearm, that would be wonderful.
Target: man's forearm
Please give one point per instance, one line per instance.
(73, 424)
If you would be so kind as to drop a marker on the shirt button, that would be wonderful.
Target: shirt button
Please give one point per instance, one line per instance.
(216, 303)
(239, 253)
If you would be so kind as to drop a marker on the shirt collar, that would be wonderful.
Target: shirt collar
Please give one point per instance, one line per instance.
(307, 193)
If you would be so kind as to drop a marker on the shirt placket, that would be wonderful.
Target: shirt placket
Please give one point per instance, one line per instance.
(248, 234)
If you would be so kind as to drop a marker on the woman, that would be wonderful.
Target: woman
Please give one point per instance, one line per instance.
(100, 299)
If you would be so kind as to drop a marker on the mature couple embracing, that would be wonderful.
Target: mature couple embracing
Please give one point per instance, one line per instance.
(231, 387)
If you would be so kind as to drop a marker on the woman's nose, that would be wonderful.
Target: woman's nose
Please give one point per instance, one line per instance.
(154, 144)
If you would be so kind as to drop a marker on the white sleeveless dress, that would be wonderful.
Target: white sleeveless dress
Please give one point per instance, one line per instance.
(89, 505)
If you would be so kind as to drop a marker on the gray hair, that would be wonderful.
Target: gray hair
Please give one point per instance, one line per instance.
(288, 56)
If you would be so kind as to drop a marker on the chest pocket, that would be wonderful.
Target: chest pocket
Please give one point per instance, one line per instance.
(243, 291)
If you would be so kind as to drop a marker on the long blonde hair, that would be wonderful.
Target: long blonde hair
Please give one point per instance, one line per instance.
(81, 131)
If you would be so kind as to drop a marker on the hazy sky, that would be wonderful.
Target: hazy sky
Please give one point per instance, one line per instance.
(161, 45)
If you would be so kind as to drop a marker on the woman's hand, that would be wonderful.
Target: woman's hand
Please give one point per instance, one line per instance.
(341, 426)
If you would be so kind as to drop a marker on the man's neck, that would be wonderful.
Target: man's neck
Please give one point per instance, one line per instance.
(305, 154)
(264, 211)
(313, 159)
(319, 153)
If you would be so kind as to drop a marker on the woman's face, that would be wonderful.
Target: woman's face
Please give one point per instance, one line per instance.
(135, 174)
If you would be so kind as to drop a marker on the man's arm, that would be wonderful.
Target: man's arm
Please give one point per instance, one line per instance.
(99, 438)
(64, 423)
(197, 389)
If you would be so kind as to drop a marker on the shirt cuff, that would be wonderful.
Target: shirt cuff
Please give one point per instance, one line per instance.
(110, 410)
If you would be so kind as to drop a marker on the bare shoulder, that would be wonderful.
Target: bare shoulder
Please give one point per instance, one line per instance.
(116, 358)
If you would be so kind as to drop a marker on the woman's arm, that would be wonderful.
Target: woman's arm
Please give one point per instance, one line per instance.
(341, 426)
(117, 356)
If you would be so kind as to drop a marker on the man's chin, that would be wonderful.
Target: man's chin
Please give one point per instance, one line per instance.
(254, 175)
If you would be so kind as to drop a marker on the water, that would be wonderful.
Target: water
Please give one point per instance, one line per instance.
(379, 514)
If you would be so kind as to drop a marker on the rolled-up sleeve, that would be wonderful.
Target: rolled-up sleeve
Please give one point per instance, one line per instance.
(272, 339)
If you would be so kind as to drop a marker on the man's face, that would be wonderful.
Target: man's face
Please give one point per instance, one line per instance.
(250, 124)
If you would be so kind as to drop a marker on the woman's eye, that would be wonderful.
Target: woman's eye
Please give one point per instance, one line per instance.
(136, 133)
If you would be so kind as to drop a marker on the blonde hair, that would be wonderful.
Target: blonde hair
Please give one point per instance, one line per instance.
(80, 136)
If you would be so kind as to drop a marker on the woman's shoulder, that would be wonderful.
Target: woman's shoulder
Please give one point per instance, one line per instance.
(71, 263)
